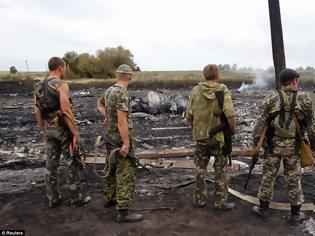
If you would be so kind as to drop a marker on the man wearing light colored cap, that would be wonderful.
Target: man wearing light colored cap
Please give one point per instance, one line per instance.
(114, 105)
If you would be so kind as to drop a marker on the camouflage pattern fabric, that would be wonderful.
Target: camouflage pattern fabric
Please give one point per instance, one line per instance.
(202, 107)
(57, 140)
(292, 174)
(119, 187)
(204, 150)
(284, 148)
(303, 111)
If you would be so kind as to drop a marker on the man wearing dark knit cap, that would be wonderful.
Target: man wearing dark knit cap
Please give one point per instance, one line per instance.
(278, 113)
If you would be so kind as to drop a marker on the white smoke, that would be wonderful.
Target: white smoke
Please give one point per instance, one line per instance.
(261, 81)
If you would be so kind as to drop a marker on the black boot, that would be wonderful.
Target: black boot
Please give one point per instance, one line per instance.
(126, 216)
(262, 210)
(81, 202)
(297, 217)
(224, 206)
(53, 204)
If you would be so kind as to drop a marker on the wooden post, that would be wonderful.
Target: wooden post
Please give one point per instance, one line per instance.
(276, 39)
(28, 70)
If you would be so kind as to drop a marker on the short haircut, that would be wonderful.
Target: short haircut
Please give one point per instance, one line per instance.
(54, 63)
(211, 71)
(286, 83)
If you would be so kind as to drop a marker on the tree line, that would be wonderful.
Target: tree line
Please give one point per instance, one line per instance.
(101, 65)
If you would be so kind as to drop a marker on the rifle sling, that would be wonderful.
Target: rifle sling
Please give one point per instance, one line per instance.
(257, 148)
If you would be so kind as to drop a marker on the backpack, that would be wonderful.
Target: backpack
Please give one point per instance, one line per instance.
(283, 122)
(48, 98)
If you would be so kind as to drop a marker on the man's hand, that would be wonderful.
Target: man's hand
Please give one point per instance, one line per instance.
(105, 121)
(123, 131)
(75, 142)
(124, 150)
(231, 121)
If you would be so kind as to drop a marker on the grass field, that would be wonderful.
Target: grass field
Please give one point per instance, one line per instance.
(142, 76)
(148, 78)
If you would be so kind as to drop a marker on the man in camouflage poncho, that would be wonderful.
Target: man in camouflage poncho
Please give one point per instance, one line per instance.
(115, 107)
(282, 142)
(203, 113)
(54, 116)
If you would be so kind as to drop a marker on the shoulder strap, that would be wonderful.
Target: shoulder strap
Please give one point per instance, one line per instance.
(220, 96)
(282, 110)
(292, 107)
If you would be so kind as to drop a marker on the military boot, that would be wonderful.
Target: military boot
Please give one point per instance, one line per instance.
(55, 203)
(126, 216)
(224, 206)
(80, 202)
(262, 210)
(297, 217)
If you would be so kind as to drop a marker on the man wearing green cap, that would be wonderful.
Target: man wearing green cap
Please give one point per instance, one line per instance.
(115, 107)
(278, 112)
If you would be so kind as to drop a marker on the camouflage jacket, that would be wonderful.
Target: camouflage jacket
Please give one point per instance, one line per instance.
(116, 98)
(304, 114)
(202, 106)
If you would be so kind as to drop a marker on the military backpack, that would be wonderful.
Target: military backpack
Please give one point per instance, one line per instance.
(283, 122)
(48, 97)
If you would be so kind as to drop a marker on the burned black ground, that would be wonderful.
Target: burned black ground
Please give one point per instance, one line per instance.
(22, 151)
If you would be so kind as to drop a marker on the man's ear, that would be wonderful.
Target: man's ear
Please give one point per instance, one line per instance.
(294, 82)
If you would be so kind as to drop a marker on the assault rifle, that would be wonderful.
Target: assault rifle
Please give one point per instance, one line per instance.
(112, 144)
(223, 127)
(252, 166)
(76, 156)
(255, 154)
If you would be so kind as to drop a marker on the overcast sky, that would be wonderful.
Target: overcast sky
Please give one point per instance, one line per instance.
(162, 34)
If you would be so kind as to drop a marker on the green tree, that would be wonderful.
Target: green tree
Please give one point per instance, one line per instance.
(72, 59)
(13, 70)
(234, 67)
(87, 65)
(110, 58)
(226, 68)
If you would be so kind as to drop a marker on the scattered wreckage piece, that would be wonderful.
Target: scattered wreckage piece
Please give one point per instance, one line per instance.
(171, 153)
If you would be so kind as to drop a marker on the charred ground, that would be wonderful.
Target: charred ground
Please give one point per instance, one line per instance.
(161, 197)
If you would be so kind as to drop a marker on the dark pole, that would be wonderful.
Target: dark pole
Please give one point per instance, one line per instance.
(276, 39)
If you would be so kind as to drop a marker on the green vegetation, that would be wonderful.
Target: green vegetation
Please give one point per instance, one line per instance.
(184, 78)
(13, 70)
(101, 65)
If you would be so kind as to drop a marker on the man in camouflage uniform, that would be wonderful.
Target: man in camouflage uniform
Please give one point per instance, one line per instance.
(280, 145)
(119, 187)
(203, 113)
(54, 116)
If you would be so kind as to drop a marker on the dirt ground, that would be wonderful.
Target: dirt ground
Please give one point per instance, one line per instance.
(166, 205)
(29, 211)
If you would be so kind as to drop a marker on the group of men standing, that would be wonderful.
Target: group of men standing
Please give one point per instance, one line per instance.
(278, 112)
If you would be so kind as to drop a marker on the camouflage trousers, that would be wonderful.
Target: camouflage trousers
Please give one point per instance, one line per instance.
(57, 142)
(292, 174)
(204, 150)
(120, 185)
